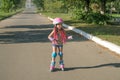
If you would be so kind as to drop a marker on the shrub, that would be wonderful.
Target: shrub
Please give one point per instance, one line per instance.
(78, 14)
(91, 17)
(96, 18)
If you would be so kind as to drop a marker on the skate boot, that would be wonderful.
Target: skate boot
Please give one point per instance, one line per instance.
(52, 66)
(61, 65)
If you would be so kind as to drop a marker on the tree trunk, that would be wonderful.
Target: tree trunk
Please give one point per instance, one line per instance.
(87, 3)
(103, 6)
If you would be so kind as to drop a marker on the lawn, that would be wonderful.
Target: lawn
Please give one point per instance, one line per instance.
(116, 15)
(107, 32)
(4, 15)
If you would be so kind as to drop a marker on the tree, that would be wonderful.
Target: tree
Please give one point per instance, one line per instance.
(6, 5)
(39, 4)
(103, 6)
(87, 5)
(9, 5)
(0, 3)
(116, 5)
(55, 5)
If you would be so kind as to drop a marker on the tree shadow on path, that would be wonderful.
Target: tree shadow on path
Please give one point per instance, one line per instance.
(30, 34)
(27, 34)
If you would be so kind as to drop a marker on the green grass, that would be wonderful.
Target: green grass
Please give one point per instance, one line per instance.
(4, 15)
(106, 32)
(116, 15)
(53, 15)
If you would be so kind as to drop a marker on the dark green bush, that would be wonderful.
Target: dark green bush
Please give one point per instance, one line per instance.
(78, 14)
(91, 17)
(96, 18)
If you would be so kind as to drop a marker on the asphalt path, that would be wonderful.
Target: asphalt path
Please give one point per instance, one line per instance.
(25, 53)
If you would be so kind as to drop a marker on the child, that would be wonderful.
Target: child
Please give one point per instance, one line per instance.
(58, 38)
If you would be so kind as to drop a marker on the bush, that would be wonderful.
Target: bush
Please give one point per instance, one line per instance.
(91, 17)
(96, 18)
(78, 14)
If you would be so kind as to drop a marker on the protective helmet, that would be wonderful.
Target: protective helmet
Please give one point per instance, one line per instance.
(57, 21)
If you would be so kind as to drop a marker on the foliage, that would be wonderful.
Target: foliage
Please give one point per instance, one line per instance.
(117, 5)
(91, 11)
(4, 15)
(95, 7)
(54, 6)
(39, 4)
(9, 5)
(91, 17)
(78, 14)
(96, 18)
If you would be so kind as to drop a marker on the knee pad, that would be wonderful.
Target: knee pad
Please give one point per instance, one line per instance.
(60, 54)
(54, 54)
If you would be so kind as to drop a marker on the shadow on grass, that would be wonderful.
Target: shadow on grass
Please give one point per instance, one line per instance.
(96, 29)
(109, 33)
(102, 30)
(73, 22)
(30, 34)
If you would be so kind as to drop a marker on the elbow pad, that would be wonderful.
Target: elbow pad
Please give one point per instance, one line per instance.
(51, 39)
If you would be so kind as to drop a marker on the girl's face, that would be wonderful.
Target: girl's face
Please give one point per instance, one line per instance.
(59, 26)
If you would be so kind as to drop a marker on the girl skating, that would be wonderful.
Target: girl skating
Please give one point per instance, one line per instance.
(58, 38)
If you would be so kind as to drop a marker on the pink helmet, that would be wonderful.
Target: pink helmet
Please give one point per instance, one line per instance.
(57, 21)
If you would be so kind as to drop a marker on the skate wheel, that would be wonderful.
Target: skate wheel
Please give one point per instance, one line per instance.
(62, 69)
(51, 70)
